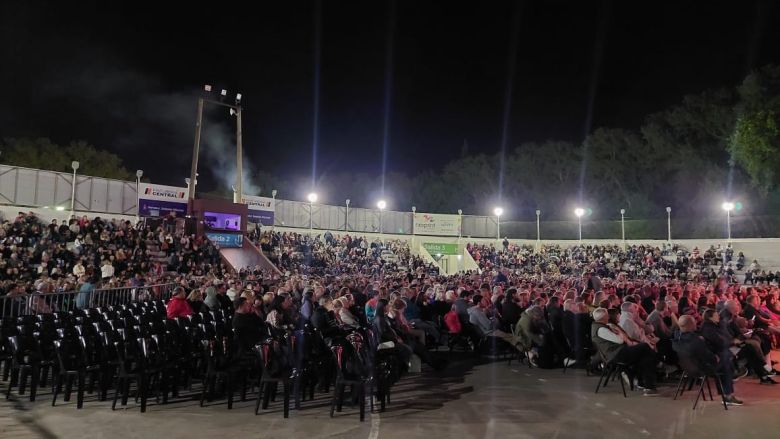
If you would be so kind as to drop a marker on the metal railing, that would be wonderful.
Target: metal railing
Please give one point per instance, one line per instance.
(31, 304)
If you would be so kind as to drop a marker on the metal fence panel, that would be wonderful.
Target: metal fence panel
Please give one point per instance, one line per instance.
(26, 185)
(30, 304)
(363, 220)
(397, 222)
(291, 214)
(479, 226)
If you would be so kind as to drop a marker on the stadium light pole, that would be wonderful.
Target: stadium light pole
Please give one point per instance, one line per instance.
(579, 212)
(498, 211)
(381, 205)
(728, 206)
(235, 110)
(669, 224)
(346, 219)
(138, 174)
(75, 165)
(312, 197)
(623, 226)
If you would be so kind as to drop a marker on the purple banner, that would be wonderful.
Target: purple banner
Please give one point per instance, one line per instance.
(264, 217)
(161, 208)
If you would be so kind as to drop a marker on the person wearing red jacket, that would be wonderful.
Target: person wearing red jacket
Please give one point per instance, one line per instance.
(178, 306)
(452, 321)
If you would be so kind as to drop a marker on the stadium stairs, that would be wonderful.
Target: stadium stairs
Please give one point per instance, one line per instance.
(247, 256)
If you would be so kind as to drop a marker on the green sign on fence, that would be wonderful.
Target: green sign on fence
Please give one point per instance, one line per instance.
(436, 248)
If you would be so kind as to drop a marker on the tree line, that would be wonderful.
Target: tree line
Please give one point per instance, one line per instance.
(715, 145)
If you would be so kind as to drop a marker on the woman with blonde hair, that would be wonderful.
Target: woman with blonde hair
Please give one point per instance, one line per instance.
(195, 299)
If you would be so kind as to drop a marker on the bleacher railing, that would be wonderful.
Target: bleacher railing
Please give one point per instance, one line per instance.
(31, 304)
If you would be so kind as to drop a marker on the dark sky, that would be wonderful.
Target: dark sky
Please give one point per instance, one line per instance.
(124, 75)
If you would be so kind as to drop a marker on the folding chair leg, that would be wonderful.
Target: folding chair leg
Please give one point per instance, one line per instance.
(622, 384)
(699, 394)
(601, 378)
(680, 385)
(709, 389)
(722, 394)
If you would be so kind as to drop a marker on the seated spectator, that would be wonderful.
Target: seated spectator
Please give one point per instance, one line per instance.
(249, 328)
(486, 326)
(195, 300)
(692, 349)
(178, 306)
(614, 345)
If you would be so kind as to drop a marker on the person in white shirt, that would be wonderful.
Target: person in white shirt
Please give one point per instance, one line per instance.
(232, 291)
(107, 270)
(628, 322)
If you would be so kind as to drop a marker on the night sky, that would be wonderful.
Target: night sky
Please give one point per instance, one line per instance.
(124, 75)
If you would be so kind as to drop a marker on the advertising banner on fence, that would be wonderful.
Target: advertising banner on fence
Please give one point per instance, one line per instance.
(226, 240)
(438, 248)
(436, 224)
(159, 200)
(261, 209)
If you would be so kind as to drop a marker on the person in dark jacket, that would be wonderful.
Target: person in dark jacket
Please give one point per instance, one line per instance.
(693, 352)
(510, 311)
(247, 325)
(323, 320)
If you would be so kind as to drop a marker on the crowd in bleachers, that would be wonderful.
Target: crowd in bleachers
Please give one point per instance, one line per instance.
(636, 261)
(57, 257)
(338, 255)
(379, 306)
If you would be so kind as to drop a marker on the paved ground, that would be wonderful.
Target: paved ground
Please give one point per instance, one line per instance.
(467, 401)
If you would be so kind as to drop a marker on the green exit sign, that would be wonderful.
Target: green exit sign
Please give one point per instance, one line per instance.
(435, 248)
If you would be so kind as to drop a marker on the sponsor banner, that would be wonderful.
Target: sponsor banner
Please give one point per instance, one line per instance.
(437, 248)
(261, 209)
(226, 240)
(436, 224)
(160, 200)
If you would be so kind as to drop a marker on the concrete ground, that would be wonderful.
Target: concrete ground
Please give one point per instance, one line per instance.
(492, 400)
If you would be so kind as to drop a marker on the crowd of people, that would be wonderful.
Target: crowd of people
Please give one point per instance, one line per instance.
(87, 253)
(654, 309)
(635, 261)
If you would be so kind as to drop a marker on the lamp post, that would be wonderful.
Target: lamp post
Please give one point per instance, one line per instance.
(498, 211)
(669, 224)
(414, 213)
(538, 228)
(579, 212)
(728, 206)
(623, 226)
(138, 174)
(381, 205)
(346, 220)
(460, 224)
(273, 197)
(75, 165)
(312, 199)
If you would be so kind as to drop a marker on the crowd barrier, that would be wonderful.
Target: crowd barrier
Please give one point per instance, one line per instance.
(31, 304)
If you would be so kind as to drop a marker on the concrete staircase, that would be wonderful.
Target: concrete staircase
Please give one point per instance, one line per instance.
(248, 256)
